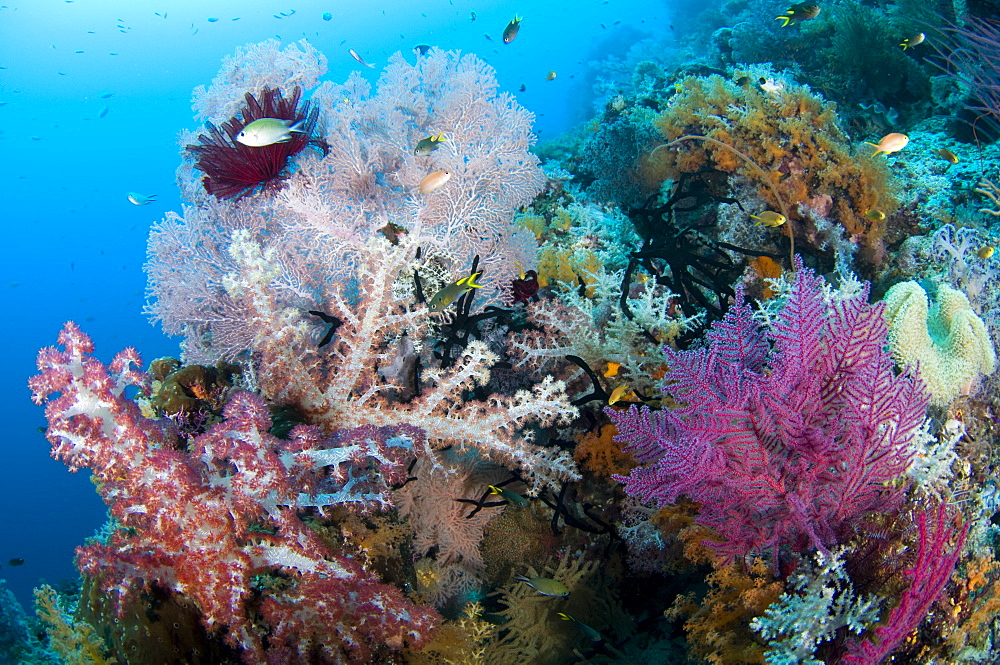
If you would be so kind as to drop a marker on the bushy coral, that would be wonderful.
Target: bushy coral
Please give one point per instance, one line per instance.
(793, 135)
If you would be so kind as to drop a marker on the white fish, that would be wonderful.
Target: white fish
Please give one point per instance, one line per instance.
(266, 131)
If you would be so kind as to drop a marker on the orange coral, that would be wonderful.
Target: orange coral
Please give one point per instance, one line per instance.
(718, 628)
(792, 134)
(599, 454)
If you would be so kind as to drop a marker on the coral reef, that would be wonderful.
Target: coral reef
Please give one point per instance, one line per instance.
(653, 434)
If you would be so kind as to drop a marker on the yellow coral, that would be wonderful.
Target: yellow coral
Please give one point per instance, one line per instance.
(949, 342)
(568, 265)
(76, 642)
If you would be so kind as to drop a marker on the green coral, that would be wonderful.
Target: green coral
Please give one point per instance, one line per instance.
(948, 342)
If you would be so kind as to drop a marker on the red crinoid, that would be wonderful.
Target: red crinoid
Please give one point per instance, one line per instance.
(234, 170)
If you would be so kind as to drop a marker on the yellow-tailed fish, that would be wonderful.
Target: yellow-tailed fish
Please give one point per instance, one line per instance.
(770, 219)
(612, 370)
(890, 143)
(947, 155)
(545, 585)
(354, 54)
(428, 145)
(874, 215)
(510, 32)
(913, 41)
(618, 394)
(451, 293)
(267, 131)
(802, 11)
(509, 496)
(135, 198)
(434, 181)
(551, 76)
(591, 634)
(986, 252)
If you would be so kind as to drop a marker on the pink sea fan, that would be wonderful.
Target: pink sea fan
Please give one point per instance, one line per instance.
(333, 204)
(785, 435)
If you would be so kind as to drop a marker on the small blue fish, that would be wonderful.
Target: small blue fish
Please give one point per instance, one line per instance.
(212, 19)
(135, 198)
(327, 16)
(104, 112)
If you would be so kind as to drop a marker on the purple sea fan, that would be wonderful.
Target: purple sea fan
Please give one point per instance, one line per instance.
(784, 434)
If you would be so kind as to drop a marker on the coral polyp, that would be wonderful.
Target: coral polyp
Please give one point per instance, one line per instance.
(233, 170)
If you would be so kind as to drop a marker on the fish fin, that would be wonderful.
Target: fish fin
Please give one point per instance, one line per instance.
(470, 281)
(564, 616)
(297, 127)
(494, 489)
(786, 19)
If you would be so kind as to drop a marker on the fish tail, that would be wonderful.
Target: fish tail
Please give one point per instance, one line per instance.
(786, 19)
(494, 489)
(297, 127)
(470, 281)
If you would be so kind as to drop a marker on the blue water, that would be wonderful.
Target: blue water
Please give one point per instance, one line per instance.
(74, 246)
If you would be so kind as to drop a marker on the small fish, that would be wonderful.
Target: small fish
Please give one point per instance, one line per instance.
(522, 88)
(890, 143)
(802, 11)
(327, 16)
(771, 86)
(550, 76)
(874, 215)
(913, 41)
(472, 16)
(105, 95)
(591, 634)
(422, 49)
(428, 145)
(212, 19)
(16, 562)
(507, 495)
(510, 32)
(452, 292)
(612, 370)
(433, 181)
(103, 112)
(488, 37)
(267, 131)
(770, 219)
(78, 51)
(743, 81)
(986, 252)
(620, 393)
(135, 198)
(947, 155)
(545, 585)
(354, 54)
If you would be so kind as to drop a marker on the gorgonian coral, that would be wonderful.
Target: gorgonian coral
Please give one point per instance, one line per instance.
(234, 170)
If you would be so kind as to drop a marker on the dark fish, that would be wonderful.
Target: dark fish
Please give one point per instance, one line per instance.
(422, 49)
(488, 37)
(522, 88)
(16, 562)
(510, 32)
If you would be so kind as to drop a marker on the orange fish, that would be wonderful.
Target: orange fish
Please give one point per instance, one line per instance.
(890, 143)
(434, 181)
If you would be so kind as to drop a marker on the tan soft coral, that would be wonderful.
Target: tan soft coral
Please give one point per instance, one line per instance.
(792, 134)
